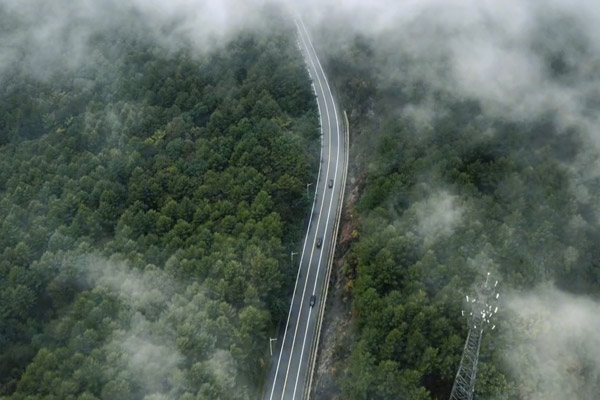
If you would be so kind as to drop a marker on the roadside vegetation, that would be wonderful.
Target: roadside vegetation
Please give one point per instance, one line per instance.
(149, 197)
(448, 192)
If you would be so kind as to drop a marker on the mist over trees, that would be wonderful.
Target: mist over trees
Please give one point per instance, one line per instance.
(149, 197)
(153, 162)
(455, 181)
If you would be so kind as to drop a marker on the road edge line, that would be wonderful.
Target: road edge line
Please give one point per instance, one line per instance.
(325, 290)
(265, 389)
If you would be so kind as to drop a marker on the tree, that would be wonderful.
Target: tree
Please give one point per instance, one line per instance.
(150, 213)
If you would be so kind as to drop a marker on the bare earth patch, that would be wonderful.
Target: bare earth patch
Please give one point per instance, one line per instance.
(337, 331)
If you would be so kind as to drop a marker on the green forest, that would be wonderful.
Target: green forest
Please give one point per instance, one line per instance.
(149, 199)
(153, 185)
(443, 199)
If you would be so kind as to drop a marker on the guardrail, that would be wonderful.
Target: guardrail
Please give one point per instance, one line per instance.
(323, 302)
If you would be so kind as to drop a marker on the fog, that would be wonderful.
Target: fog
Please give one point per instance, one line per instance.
(556, 347)
(42, 37)
(438, 216)
(146, 346)
(493, 51)
(523, 61)
(161, 315)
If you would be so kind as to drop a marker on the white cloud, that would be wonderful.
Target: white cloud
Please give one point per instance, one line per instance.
(554, 349)
(438, 216)
(491, 49)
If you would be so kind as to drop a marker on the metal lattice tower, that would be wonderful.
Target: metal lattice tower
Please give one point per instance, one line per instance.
(482, 308)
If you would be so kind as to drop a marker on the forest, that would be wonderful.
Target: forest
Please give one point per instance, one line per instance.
(448, 191)
(149, 199)
(153, 185)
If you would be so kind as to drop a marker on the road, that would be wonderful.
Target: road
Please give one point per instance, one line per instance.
(290, 367)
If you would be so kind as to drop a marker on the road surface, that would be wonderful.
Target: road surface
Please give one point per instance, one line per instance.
(289, 370)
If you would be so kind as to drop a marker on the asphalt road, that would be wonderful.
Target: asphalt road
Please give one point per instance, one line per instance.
(290, 364)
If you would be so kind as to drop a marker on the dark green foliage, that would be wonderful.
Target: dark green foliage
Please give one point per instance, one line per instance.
(143, 158)
(509, 195)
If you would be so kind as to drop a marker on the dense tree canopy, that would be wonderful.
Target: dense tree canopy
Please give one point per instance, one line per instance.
(149, 198)
(445, 198)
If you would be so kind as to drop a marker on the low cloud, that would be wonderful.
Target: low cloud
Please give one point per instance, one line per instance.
(162, 326)
(140, 290)
(146, 345)
(152, 360)
(555, 347)
(438, 216)
(42, 38)
(521, 59)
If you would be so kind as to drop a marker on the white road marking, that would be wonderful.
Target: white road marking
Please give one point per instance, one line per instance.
(305, 242)
(328, 213)
(287, 372)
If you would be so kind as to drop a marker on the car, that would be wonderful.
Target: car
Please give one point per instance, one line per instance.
(319, 242)
(313, 299)
(331, 183)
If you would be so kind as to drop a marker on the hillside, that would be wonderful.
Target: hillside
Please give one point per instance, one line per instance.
(446, 189)
(145, 194)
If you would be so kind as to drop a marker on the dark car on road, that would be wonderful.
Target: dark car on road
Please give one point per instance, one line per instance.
(331, 183)
(313, 299)
(319, 242)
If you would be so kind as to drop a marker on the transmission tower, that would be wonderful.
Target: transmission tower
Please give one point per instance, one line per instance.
(481, 309)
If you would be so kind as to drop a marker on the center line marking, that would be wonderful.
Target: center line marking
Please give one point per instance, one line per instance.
(319, 218)
(328, 212)
(275, 379)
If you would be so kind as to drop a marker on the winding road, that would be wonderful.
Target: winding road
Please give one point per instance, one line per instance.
(292, 361)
